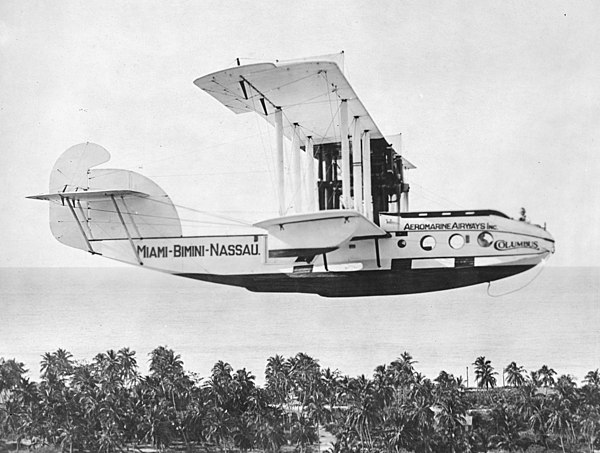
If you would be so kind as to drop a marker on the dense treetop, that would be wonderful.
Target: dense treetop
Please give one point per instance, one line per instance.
(107, 405)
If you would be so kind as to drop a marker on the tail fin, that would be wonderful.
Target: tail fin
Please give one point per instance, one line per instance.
(88, 205)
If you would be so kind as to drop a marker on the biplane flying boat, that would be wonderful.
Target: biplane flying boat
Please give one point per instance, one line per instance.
(344, 228)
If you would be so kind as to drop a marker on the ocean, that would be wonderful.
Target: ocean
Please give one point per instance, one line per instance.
(555, 320)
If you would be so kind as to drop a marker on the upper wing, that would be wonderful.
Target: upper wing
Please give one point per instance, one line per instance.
(309, 94)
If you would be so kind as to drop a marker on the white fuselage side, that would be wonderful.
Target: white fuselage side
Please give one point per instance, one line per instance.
(413, 242)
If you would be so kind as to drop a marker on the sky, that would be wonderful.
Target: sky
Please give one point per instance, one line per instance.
(498, 104)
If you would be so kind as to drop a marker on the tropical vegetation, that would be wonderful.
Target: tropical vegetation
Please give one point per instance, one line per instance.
(107, 405)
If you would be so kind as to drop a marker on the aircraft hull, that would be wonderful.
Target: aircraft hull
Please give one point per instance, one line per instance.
(366, 283)
(421, 252)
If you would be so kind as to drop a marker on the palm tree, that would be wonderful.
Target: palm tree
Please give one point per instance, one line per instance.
(28, 393)
(220, 384)
(330, 381)
(560, 422)
(11, 374)
(303, 432)
(590, 425)
(515, 374)
(364, 411)
(268, 422)
(402, 368)
(592, 378)
(566, 387)
(384, 385)
(57, 365)
(305, 374)
(528, 401)
(507, 428)
(421, 415)
(12, 415)
(277, 377)
(535, 379)
(546, 376)
(243, 389)
(451, 422)
(219, 426)
(165, 364)
(538, 421)
(484, 373)
(172, 399)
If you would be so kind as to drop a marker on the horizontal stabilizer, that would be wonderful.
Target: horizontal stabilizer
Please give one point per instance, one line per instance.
(87, 195)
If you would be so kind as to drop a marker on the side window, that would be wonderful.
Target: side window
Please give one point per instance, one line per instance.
(428, 243)
(485, 239)
(456, 241)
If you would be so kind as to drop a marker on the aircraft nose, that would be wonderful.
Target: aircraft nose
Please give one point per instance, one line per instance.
(551, 242)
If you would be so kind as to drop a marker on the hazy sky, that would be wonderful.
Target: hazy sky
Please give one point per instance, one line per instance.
(498, 103)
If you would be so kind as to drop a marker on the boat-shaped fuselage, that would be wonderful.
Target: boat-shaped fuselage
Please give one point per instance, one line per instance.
(420, 252)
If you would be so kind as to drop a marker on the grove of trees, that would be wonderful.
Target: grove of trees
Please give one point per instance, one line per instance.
(106, 405)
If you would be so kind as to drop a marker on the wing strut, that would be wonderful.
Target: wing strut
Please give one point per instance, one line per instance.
(263, 98)
(83, 216)
(279, 160)
(87, 241)
(366, 158)
(346, 165)
(357, 167)
(137, 231)
(126, 230)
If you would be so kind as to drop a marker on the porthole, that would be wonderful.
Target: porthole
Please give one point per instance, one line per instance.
(456, 241)
(485, 239)
(428, 243)
(401, 243)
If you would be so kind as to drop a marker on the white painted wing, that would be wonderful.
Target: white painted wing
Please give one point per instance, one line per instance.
(319, 232)
(88, 195)
(309, 93)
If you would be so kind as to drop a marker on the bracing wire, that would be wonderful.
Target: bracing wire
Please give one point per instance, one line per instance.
(144, 216)
(232, 220)
(208, 174)
(268, 161)
(439, 197)
(330, 106)
(541, 268)
(328, 89)
(210, 214)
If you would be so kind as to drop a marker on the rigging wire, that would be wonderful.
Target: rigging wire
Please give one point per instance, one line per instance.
(172, 156)
(227, 91)
(210, 214)
(240, 222)
(137, 215)
(219, 173)
(541, 268)
(291, 82)
(440, 197)
(330, 107)
(270, 164)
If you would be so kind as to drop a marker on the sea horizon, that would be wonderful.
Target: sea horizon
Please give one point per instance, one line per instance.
(554, 321)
